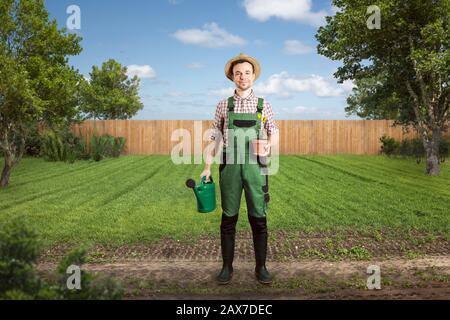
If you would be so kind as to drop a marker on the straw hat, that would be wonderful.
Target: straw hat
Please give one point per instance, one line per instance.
(242, 56)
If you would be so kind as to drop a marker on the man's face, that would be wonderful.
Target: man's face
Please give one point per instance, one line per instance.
(243, 75)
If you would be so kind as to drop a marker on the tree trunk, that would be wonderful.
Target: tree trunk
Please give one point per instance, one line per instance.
(13, 154)
(6, 173)
(431, 145)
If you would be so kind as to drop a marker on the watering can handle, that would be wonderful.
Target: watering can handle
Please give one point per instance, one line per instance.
(204, 178)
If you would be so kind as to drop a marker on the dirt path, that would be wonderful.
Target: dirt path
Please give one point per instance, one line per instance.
(305, 266)
(424, 278)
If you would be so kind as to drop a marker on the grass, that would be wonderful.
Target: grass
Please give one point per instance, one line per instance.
(135, 199)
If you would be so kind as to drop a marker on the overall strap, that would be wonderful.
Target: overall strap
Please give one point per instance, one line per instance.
(260, 105)
(231, 104)
(259, 113)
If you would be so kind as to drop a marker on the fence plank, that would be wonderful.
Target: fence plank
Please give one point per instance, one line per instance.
(148, 137)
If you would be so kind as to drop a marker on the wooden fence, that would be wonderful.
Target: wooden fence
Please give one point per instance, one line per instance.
(146, 137)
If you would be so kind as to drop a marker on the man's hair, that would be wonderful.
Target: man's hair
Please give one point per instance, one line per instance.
(238, 62)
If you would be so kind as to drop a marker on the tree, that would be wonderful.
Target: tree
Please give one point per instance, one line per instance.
(401, 70)
(372, 99)
(110, 94)
(36, 83)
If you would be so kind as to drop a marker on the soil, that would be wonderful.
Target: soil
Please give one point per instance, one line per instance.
(304, 266)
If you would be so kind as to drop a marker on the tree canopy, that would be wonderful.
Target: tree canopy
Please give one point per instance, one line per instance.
(36, 82)
(110, 93)
(401, 69)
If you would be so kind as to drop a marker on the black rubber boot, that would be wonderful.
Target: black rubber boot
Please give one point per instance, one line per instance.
(227, 237)
(259, 230)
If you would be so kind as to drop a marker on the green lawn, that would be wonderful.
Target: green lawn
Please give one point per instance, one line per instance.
(143, 198)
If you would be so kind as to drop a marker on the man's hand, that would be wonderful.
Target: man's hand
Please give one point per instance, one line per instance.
(207, 173)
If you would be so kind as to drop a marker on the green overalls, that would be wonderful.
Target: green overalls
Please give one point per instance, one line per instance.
(248, 175)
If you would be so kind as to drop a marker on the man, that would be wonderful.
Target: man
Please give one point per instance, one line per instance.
(243, 112)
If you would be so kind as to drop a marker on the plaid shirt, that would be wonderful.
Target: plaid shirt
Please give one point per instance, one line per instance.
(241, 105)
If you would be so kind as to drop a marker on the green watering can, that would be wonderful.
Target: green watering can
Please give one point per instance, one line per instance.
(205, 192)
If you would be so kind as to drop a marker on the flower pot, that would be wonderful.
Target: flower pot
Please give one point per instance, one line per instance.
(258, 147)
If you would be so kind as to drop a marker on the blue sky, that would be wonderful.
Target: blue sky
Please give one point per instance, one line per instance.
(179, 49)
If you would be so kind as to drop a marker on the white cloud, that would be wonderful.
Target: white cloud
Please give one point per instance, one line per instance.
(284, 85)
(195, 65)
(175, 2)
(347, 85)
(296, 47)
(312, 113)
(211, 36)
(305, 113)
(299, 109)
(296, 10)
(144, 71)
(222, 92)
(335, 9)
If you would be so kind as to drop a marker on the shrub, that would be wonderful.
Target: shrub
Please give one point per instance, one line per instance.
(106, 146)
(390, 146)
(418, 150)
(412, 148)
(62, 146)
(405, 148)
(119, 146)
(33, 143)
(444, 149)
(98, 147)
(92, 287)
(52, 147)
(75, 147)
(19, 250)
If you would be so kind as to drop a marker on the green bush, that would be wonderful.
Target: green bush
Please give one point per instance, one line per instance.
(444, 149)
(405, 148)
(389, 145)
(98, 147)
(412, 148)
(92, 287)
(66, 146)
(63, 146)
(75, 147)
(106, 146)
(52, 146)
(418, 150)
(118, 147)
(33, 143)
(19, 250)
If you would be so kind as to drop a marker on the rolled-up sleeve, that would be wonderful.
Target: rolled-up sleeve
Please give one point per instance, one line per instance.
(270, 124)
(217, 123)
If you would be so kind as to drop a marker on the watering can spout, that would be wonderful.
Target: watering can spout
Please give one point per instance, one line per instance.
(205, 192)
